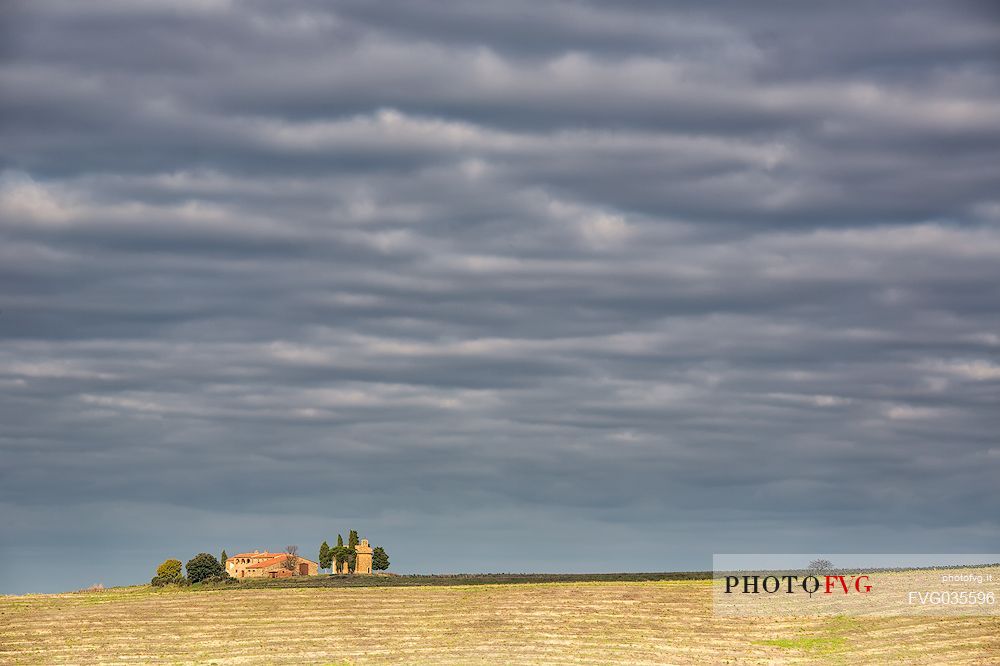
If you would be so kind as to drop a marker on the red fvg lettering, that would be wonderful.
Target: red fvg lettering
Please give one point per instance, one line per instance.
(830, 580)
(856, 583)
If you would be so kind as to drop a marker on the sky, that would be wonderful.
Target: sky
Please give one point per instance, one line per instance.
(519, 286)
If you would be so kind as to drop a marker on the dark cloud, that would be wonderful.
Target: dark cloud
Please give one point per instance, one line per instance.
(696, 280)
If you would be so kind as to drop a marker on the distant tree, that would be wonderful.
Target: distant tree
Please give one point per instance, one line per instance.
(340, 541)
(202, 567)
(380, 561)
(291, 558)
(223, 558)
(820, 565)
(325, 556)
(352, 539)
(169, 569)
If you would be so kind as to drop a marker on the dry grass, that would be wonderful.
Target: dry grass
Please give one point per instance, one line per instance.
(551, 623)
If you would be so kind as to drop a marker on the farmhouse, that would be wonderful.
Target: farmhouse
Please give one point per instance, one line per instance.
(268, 565)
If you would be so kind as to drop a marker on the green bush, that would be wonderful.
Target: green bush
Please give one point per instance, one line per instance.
(169, 569)
(203, 566)
(161, 581)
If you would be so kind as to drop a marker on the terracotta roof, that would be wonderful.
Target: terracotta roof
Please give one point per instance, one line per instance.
(272, 559)
(265, 555)
(268, 563)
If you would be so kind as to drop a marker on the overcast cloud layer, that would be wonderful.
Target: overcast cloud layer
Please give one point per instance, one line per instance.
(504, 286)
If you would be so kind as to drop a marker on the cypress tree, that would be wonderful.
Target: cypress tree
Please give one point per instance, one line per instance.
(324, 555)
(380, 560)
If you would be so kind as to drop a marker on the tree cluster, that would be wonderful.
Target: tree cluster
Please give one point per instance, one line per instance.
(341, 556)
(202, 568)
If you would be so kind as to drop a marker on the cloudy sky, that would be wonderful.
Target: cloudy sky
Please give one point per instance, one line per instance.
(509, 286)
